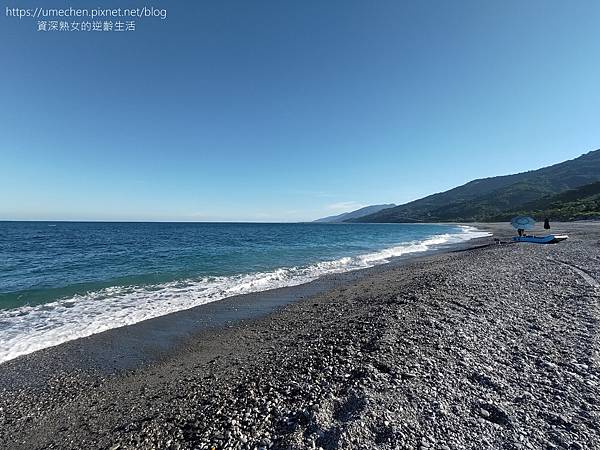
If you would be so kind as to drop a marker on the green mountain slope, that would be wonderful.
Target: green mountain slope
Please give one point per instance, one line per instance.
(573, 204)
(481, 199)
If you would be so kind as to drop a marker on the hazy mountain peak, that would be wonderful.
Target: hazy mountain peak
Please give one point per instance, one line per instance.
(355, 214)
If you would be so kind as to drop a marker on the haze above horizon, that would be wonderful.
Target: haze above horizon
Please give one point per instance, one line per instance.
(289, 111)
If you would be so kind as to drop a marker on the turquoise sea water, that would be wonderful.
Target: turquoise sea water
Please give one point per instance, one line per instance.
(64, 280)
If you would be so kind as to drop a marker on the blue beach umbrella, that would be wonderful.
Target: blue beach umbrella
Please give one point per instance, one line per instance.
(523, 223)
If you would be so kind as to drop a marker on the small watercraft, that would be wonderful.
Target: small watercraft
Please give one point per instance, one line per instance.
(549, 239)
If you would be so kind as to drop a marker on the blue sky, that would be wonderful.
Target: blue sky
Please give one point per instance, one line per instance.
(289, 110)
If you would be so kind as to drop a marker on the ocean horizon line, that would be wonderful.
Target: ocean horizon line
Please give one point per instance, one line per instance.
(313, 222)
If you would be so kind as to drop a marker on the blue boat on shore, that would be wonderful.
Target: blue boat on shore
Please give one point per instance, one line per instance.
(549, 239)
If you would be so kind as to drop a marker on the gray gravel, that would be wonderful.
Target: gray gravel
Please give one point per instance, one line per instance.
(494, 347)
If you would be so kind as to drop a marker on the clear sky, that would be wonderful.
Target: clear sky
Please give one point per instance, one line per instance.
(288, 110)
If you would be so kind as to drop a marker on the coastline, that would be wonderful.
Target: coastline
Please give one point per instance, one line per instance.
(127, 348)
(309, 368)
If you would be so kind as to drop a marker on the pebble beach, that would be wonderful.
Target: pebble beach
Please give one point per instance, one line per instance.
(492, 346)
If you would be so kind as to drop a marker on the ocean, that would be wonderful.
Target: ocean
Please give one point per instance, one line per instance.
(65, 280)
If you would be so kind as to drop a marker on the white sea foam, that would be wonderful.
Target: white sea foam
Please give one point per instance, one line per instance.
(27, 329)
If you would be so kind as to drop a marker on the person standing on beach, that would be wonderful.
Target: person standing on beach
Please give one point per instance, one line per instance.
(546, 224)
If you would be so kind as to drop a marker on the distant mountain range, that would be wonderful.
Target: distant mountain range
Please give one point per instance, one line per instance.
(355, 214)
(567, 189)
